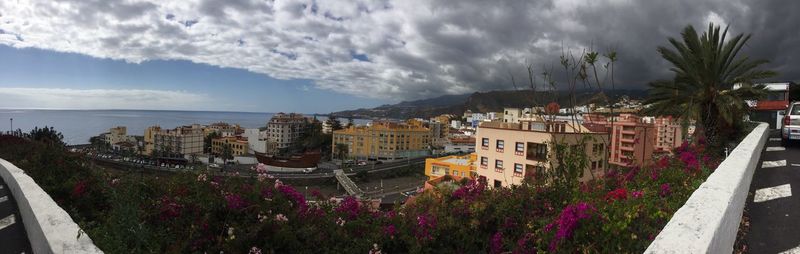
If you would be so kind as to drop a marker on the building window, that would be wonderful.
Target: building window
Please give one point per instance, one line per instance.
(485, 142)
(498, 165)
(501, 144)
(519, 149)
(439, 170)
(537, 151)
(518, 169)
(484, 162)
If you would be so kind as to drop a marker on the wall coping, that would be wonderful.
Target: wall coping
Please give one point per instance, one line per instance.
(709, 220)
(50, 229)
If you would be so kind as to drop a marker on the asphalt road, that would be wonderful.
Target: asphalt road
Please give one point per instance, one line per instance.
(13, 238)
(774, 209)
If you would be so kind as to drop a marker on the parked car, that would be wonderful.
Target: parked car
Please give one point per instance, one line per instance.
(791, 124)
(213, 165)
(362, 163)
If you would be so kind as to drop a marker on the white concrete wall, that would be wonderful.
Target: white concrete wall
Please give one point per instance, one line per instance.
(50, 229)
(709, 220)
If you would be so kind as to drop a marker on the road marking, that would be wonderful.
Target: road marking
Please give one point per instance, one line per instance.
(795, 250)
(795, 165)
(774, 139)
(7, 221)
(775, 148)
(773, 164)
(767, 194)
(3, 199)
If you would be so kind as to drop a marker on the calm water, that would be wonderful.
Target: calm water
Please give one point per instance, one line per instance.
(79, 125)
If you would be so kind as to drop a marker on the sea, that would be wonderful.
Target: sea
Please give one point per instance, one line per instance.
(78, 126)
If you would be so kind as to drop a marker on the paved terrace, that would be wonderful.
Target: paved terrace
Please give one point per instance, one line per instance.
(13, 238)
(774, 210)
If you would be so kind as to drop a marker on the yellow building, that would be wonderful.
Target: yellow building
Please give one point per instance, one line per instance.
(239, 147)
(508, 152)
(383, 140)
(454, 165)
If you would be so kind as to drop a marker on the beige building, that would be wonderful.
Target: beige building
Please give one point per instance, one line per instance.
(669, 134)
(507, 152)
(283, 129)
(239, 146)
(223, 129)
(118, 135)
(384, 140)
(182, 140)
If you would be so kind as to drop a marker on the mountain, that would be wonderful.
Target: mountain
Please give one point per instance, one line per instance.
(492, 101)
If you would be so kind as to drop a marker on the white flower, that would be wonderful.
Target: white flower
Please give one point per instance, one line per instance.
(340, 221)
(280, 217)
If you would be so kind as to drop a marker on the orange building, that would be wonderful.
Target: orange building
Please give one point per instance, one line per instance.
(635, 139)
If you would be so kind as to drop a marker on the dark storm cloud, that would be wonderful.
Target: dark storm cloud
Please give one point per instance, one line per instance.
(414, 48)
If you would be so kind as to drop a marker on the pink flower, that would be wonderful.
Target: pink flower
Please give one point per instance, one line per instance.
(469, 191)
(340, 221)
(297, 198)
(425, 223)
(278, 183)
(254, 250)
(202, 178)
(638, 194)
(526, 244)
(281, 218)
(349, 206)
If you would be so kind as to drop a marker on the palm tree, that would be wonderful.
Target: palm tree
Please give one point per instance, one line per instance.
(706, 67)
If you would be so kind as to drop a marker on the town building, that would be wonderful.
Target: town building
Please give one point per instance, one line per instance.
(118, 135)
(636, 139)
(256, 140)
(633, 141)
(455, 124)
(669, 134)
(384, 140)
(771, 109)
(508, 152)
(239, 146)
(223, 129)
(284, 129)
(181, 140)
(460, 145)
(454, 165)
(512, 115)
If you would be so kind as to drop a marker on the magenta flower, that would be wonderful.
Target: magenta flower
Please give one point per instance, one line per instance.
(690, 160)
(568, 221)
(638, 194)
(235, 202)
(665, 190)
(469, 191)
(618, 194)
(526, 244)
(295, 196)
(496, 243)
(425, 223)
(349, 206)
(390, 230)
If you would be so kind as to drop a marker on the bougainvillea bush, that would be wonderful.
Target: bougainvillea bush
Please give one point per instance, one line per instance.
(192, 212)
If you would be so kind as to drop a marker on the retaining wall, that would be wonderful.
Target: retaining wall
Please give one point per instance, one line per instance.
(50, 229)
(709, 221)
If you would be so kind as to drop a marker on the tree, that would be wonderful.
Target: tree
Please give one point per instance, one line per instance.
(341, 151)
(227, 153)
(334, 123)
(350, 122)
(706, 67)
(207, 141)
(47, 135)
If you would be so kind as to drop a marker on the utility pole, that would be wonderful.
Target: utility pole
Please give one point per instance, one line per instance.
(12, 125)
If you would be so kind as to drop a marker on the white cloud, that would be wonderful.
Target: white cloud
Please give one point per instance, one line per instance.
(415, 48)
(106, 98)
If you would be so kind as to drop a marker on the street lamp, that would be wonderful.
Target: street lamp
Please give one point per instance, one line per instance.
(12, 124)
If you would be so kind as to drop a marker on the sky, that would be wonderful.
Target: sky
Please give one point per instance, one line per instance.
(323, 56)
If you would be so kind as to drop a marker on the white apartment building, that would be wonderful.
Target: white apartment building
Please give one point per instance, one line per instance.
(284, 129)
(118, 135)
(181, 140)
